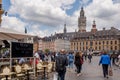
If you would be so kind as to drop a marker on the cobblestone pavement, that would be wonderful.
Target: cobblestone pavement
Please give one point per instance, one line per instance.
(92, 71)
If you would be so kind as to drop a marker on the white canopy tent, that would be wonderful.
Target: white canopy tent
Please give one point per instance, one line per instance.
(7, 34)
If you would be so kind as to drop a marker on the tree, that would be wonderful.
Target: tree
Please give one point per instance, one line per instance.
(47, 50)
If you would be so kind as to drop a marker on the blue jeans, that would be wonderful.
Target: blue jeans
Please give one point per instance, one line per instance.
(61, 75)
(71, 64)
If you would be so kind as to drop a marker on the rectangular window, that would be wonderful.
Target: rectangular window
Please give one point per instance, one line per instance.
(111, 42)
(115, 47)
(0, 6)
(86, 43)
(107, 42)
(115, 42)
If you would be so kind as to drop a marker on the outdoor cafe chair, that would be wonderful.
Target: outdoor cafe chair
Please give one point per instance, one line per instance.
(6, 72)
(27, 66)
(49, 69)
(19, 73)
(40, 69)
(28, 69)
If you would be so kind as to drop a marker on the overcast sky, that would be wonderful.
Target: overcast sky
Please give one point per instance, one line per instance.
(45, 17)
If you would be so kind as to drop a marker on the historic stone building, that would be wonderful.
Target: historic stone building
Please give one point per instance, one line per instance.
(82, 40)
(95, 40)
(54, 43)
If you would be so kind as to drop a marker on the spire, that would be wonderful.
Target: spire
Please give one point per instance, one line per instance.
(82, 12)
(93, 27)
(82, 8)
(65, 30)
(94, 24)
(25, 30)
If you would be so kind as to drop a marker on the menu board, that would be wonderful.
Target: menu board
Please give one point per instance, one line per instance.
(21, 50)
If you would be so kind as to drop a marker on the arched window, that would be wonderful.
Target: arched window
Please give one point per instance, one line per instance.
(103, 42)
(115, 47)
(99, 48)
(115, 42)
(111, 42)
(111, 48)
(107, 42)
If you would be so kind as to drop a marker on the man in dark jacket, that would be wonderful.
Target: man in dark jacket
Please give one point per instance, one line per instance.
(61, 63)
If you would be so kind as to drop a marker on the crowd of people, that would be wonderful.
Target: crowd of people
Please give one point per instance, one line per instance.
(78, 58)
(67, 60)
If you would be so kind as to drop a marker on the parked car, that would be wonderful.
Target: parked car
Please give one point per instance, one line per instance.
(96, 53)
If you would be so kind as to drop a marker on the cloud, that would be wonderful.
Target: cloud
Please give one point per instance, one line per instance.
(36, 14)
(105, 12)
(44, 12)
(13, 23)
(37, 31)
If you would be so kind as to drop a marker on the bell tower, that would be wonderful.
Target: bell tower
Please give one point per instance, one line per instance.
(1, 12)
(82, 21)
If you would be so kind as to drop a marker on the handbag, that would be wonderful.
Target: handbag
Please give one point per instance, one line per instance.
(55, 76)
(110, 72)
(81, 61)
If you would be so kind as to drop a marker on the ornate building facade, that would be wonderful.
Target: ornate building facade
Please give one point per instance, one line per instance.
(95, 40)
(82, 40)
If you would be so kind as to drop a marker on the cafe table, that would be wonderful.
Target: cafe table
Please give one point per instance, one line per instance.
(27, 70)
(6, 74)
(44, 67)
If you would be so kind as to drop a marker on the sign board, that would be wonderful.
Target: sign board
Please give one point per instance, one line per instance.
(21, 50)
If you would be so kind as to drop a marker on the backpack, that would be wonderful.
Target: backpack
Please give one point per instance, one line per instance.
(60, 63)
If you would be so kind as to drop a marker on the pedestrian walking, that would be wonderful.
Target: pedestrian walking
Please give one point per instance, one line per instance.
(37, 58)
(85, 55)
(119, 60)
(61, 63)
(89, 57)
(70, 60)
(78, 62)
(113, 58)
(105, 61)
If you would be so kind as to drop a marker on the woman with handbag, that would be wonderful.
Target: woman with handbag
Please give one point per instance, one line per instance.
(78, 62)
(105, 61)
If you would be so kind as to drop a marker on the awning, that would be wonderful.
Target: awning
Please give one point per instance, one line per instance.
(7, 34)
